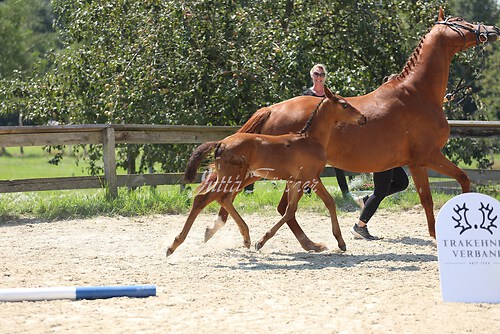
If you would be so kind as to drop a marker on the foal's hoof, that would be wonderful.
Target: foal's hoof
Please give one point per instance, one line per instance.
(170, 250)
(343, 247)
(316, 247)
(209, 233)
(258, 245)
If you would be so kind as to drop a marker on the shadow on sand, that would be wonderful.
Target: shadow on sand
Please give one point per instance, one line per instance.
(314, 261)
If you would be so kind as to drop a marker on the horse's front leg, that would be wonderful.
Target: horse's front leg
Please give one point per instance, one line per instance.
(421, 180)
(330, 204)
(301, 236)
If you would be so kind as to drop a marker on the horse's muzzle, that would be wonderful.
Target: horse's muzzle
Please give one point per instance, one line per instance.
(493, 34)
(362, 120)
(497, 32)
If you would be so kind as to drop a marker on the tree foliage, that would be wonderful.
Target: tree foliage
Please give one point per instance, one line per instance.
(26, 34)
(475, 75)
(209, 62)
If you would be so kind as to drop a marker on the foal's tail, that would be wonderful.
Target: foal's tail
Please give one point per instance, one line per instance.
(255, 123)
(196, 158)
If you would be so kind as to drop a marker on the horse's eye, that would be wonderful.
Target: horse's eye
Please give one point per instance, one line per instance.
(345, 105)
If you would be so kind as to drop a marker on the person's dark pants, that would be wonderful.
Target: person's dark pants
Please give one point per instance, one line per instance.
(386, 183)
(249, 188)
(341, 180)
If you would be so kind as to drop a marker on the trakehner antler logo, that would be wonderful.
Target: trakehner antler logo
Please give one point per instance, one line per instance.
(463, 223)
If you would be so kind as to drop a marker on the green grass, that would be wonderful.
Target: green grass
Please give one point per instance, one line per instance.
(69, 204)
(52, 205)
(34, 163)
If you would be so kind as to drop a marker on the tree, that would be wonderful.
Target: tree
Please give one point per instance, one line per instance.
(26, 34)
(472, 74)
(211, 62)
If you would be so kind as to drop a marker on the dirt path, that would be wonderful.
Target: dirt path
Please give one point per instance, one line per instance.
(219, 287)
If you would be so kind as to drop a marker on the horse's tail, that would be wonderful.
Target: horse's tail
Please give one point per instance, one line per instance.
(255, 123)
(196, 158)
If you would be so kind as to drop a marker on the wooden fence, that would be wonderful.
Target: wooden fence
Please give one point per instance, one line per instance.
(110, 135)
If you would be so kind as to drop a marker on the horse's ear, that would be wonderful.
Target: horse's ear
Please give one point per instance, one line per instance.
(329, 94)
(441, 14)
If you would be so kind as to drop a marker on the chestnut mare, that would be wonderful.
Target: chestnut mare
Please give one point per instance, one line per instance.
(406, 124)
(298, 158)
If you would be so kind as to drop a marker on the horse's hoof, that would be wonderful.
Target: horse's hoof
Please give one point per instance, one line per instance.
(247, 244)
(209, 233)
(316, 247)
(258, 246)
(322, 248)
(168, 252)
(343, 247)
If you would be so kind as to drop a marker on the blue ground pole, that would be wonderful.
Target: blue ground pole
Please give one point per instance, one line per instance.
(76, 293)
(100, 292)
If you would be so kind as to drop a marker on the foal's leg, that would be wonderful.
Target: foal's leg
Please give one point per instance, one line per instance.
(222, 216)
(219, 222)
(330, 204)
(227, 202)
(294, 195)
(200, 201)
(301, 236)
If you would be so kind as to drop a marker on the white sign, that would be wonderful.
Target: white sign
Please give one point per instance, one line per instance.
(468, 242)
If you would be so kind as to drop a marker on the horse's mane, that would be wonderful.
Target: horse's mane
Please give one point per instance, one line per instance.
(254, 124)
(411, 62)
(310, 119)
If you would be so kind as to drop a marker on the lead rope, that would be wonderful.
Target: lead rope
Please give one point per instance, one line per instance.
(475, 75)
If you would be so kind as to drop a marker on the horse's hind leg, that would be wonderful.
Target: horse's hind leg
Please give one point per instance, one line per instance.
(227, 202)
(444, 166)
(200, 201)
(222, 216)
(440, 164)
(294, 195)
(301, 236)
(219, 222)
(421, 180)
(330, 204)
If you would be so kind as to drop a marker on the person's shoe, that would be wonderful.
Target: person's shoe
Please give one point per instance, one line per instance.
(362, 233)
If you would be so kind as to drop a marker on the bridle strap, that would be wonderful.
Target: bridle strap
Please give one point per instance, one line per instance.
(481, 37)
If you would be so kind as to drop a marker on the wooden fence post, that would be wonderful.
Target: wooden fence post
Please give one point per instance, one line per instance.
(109, 157)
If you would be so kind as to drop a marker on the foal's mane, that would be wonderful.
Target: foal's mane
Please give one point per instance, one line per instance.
(310, 119)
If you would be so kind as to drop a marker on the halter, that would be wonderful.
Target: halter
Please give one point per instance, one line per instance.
(481, 37)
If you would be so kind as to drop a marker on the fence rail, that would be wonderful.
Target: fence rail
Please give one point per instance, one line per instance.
(111, 134)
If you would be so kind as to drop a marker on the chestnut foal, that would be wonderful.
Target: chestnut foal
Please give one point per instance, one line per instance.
(297, 158)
